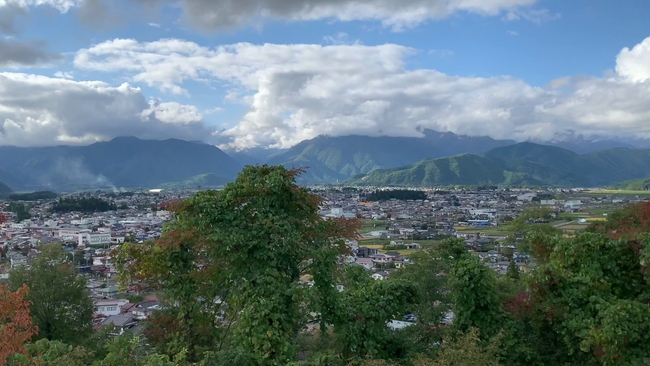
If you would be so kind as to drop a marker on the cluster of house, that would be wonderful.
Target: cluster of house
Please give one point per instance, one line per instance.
(444, 208)
(139, 217)
(122, 315)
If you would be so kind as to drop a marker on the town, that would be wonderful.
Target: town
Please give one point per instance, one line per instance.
(395, 224)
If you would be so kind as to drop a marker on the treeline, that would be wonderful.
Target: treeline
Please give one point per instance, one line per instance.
(20, 209)
(399, 194)
(33, 196)
(89, 204)
(585, 303)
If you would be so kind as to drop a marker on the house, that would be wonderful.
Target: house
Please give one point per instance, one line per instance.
(108, 292)
(382, 258)
(109, 307)
(144, 309)
(413, 246)
(367, 263)
(365, 252)
(120, 322)
(380, 276)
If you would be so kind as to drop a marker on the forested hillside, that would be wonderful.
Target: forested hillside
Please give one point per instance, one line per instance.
(520, 164)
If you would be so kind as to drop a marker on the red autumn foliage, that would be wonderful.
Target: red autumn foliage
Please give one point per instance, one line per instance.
(161, 329)
(170, 205)
(16, 326)
(628, 222)
(520, 306)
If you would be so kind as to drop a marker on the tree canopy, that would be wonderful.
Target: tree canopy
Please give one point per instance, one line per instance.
(60, 305)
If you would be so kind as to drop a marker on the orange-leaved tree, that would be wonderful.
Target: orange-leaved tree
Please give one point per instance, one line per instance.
(16, 325)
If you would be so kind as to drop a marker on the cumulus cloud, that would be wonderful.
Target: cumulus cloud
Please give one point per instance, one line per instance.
(296, 92)
(172, 112)
(634, 64)
(38, 110)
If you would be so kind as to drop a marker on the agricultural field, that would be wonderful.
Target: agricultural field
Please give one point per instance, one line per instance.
(379, 245)
(618, 192)
(372, 225)
(504, 230)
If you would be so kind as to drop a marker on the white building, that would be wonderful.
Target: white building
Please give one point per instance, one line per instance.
(573, 204)
(480, 212)
(95, 239)
(109, 307)
(85, 237)
(526, 197)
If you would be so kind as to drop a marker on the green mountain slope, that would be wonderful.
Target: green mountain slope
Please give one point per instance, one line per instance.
(338, 158)
(460, 169)
(524, 163)
(5, 190)
(10, 181)
(202, 180)
(633, 185)
(121, 162)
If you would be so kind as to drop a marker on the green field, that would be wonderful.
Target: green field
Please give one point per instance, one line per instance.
(372, 225)
(495, 231)
(404, 252)
(379, 245)
(621, 192)
(371, 241)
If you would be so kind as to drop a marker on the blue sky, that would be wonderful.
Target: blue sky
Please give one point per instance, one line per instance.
(485, 69)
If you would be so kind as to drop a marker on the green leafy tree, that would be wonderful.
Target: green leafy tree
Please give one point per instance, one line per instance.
(467, 350)
(360, 323)
(60, 303)
(128, 349)
(590, 298)
(52, 353)
(428, 273)
(475, 297)
(513, 271)
(245, 246)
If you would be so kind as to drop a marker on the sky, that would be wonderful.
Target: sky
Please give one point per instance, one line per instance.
(243, 74)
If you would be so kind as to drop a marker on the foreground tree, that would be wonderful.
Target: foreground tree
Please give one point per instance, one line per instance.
(60, 304)
(239, 253)
(593, 292)
(16, 326)
(475, 297)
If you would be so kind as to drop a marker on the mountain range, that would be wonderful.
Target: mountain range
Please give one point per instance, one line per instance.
(333, 159)
(519, 164)
(121, 162)
(436, 158)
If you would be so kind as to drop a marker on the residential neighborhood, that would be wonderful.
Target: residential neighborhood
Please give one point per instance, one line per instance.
(392, 231)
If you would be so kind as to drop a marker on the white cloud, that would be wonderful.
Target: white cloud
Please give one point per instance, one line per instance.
(37, 110)
(340, 38)
(295, 92)
(155, 25)
(214, 110)
(441, 53)
(537, 16)
(60, 5)
(64, 75)
(634, 64)
(396, 14)
(172, 112)
(512, 33)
